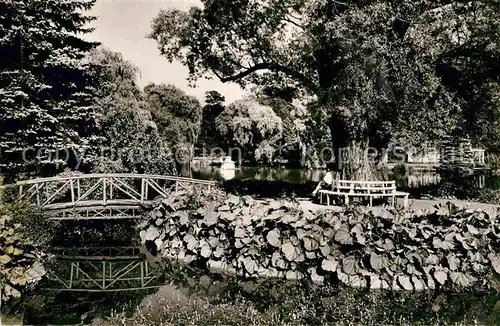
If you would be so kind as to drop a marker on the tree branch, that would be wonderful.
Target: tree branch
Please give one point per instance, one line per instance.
(309, 84)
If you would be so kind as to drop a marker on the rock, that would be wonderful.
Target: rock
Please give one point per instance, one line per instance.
(166, 294)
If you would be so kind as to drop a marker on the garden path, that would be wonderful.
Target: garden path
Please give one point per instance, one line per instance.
(414, 204)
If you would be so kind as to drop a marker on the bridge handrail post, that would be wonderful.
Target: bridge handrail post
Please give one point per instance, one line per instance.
(72, 185)
(143, 191)
(20, 192)
(104, 190)
(37, 189)
(142, 274)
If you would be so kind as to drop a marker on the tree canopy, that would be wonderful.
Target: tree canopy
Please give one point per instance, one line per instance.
(178, 117)
(133, 142)
(379, 70)
(46, 94)
(250, 127)
(214, 105)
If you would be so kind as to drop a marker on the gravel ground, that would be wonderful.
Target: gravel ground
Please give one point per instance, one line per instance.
(414, 205)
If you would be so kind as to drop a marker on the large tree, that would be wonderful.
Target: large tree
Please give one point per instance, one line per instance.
(132, 140)
(178, 117)
(376, 68)
(46, 95)
(214, 105)
(250, 129)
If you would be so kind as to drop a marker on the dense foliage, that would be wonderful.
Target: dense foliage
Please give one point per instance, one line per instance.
(378, 71)
(46, 93)
(23, 237)
(133, 142)
(209, 138)
(251, 128)
(449, 249)
(178, 117)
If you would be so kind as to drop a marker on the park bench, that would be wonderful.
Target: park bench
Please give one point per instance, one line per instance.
(364, 189)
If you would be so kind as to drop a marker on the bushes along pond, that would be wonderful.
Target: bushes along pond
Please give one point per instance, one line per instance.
(452, 248)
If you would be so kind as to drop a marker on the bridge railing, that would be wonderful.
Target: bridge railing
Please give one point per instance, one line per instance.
(87, 190)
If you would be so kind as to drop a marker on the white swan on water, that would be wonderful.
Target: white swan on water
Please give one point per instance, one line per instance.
(228, 164)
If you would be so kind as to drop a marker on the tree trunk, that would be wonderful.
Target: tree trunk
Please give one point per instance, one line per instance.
(358, 165)
(351, 157)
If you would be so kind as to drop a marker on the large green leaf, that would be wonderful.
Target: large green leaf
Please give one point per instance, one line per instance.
(453, 262)
(4, 259)
(314, 275)
(343, 236)
(290, 251)
(294, 275)
(191, 242)
(211, 218)
(310, 244)
(495, 261)
(184, 219)
(206, 251)
(462, 279)
(440, 244)
(239, 232)
(150, 234)
(9, 291)
(325, 250)
(472, 229)
(36, 272)
(273, 238)
(219, 252)
(350, 265)
(378, 262)
(233, 200)
(278, 261)
(441, 276)
(250, 265)
(329, 264)
(432, 260)
(405, 282)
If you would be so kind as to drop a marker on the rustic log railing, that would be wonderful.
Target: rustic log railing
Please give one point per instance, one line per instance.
(103, 195)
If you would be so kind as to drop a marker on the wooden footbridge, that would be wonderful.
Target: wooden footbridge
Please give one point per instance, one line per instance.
(98, 196)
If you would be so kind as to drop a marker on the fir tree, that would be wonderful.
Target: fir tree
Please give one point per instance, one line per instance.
(46, 95)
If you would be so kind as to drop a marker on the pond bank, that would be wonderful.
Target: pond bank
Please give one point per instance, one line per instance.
(413, 205)
(203, 299)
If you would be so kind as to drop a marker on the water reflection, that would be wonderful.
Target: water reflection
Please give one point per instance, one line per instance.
(100, 269)
(413, 179)
(258, 173)
(227, 174)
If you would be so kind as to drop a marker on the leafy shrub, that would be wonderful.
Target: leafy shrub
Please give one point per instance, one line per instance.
(452, 248)
(23, 233)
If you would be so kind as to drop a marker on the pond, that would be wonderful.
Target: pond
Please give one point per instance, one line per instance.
(409, 179)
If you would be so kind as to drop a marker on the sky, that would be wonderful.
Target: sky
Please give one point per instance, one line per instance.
(122, 26)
